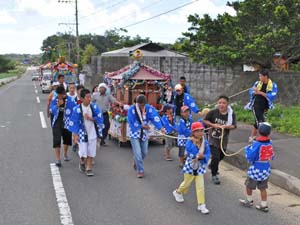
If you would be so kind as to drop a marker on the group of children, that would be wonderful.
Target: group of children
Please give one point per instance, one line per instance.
(195, 151)
(78, 115)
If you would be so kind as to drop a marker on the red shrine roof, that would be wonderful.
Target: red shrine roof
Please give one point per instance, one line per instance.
(144, 73)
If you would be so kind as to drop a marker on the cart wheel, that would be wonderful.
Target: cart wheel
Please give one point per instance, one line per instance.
(109, 137)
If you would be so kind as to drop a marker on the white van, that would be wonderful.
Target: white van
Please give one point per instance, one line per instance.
(46, 82)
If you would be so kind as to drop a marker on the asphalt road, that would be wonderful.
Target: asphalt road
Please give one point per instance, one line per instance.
(114, 196)
(287, 157)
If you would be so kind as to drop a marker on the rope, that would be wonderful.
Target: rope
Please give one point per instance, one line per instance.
(221, 146)
(241, 92)
(221, 142)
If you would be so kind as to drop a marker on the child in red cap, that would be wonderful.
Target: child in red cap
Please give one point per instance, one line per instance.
(198, 154)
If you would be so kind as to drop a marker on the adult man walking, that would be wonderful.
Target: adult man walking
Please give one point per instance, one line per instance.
(61, 108)
(180, 99)
(139, 115)
(103, 100)
(262, 95)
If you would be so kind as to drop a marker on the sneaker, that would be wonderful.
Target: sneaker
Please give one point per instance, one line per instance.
(246, 203)
(216, 180)
(262, 208)
(58, 163)
(202, 208)
(140, 175)
(168, 158)
(82, 167)
(66, 158)
(178, 197)
(102, 142)
(89, 173)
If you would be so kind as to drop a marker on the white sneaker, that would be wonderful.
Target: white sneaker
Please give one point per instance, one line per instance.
(178, 197)
(202, 208)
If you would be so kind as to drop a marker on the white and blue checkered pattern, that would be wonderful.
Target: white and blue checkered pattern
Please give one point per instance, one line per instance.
(66, 122)
(137, 134)
(257, 174)
(181, 142)
(188, 168)
(81, 136)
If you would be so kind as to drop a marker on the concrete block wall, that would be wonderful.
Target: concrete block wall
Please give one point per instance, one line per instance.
(206, 82)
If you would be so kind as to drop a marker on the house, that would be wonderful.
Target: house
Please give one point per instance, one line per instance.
(147, 49)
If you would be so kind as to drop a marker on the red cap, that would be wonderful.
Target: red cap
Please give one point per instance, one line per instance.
(197, 126)
(184, 108)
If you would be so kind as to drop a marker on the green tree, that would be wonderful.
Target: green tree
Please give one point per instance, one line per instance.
(6, 64)
(259, 29)
(89, 51)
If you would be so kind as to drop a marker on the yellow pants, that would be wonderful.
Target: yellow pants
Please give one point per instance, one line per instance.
(199, 183)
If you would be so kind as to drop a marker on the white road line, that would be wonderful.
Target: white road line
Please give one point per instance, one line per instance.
(61, 198)
(43, 121)
(38, 99)
(36, 91)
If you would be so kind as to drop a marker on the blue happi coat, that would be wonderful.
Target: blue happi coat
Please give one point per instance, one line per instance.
(189, 101)
(54, 110)
(184, 130)
(271, 94)
(76, 124)
(167, 124)
(259, 155)
(135, 126)
(192, 150)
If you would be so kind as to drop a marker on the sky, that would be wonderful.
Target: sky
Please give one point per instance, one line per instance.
(24, 24)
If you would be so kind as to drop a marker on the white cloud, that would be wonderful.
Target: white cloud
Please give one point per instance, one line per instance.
(200, 7)
(52, 8)
(118, 18)
(6, 19)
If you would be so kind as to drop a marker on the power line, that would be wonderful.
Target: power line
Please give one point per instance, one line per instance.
(158, 15)
(109, 7)
(123, 17)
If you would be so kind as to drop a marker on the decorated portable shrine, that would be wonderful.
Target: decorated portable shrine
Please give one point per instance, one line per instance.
(126, 84)
(65, 68)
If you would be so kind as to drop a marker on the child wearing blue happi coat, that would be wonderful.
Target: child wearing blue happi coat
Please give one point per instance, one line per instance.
(168, 122)
(259, 154)
(184, 132)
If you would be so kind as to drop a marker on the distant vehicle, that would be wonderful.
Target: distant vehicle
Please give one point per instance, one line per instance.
(46, 82)
(35, 76)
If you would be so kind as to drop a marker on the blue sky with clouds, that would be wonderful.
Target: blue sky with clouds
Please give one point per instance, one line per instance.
(24, 24)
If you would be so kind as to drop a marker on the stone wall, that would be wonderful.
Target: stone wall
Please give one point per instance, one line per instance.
(206, 82)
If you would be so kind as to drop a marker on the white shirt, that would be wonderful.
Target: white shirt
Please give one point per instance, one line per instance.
(72, 96)
(89, 125)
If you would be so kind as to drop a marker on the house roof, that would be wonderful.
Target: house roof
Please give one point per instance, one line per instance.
(147, 49)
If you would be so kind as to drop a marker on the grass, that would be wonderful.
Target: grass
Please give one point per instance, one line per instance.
(283, 119)
(11, 73)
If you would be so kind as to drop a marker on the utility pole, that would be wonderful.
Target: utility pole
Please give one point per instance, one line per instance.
(76, 24)
(77, 34)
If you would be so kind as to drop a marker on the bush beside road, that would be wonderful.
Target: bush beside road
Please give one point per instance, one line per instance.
(11, 75)
(284, 119)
